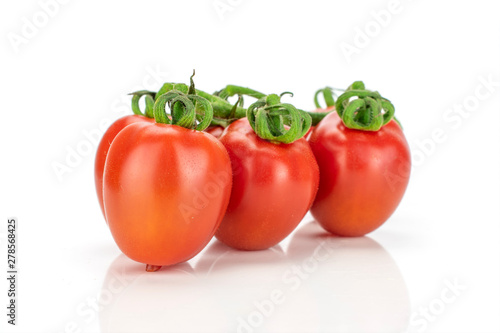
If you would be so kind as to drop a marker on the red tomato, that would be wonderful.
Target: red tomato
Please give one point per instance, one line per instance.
(166, 189)
(326, 110)
(215, 131)
(102, 150)
(273, 188)
(363, 175)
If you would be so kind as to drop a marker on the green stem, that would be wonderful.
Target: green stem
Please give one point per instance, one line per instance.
(231, 90)
(222, 109)
(316, 117)
(219, 122)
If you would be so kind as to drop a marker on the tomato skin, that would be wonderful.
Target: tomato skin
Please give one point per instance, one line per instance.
(103, 148)
(215, 131)
(166, 189)
(363, 175)
(273, 188)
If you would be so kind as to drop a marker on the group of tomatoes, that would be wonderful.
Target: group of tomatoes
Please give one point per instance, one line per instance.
(167, 183)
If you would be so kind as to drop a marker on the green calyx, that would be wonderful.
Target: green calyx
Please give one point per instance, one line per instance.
(188, 111)
(268, 117)
(368, 112)
(272, 120)
(172, 86)
(150, 101)
(223, 112)
(327, 96)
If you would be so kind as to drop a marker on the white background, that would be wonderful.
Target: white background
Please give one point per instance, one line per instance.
(73, 72)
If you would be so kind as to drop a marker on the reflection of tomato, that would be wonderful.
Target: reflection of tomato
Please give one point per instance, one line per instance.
(368, 283)
(132, 300)
(364, 175)
(220, 260)
(325, 110)
(273, 187)
(166, 189)
(102, 150)
(215, 131)
(248, 278)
